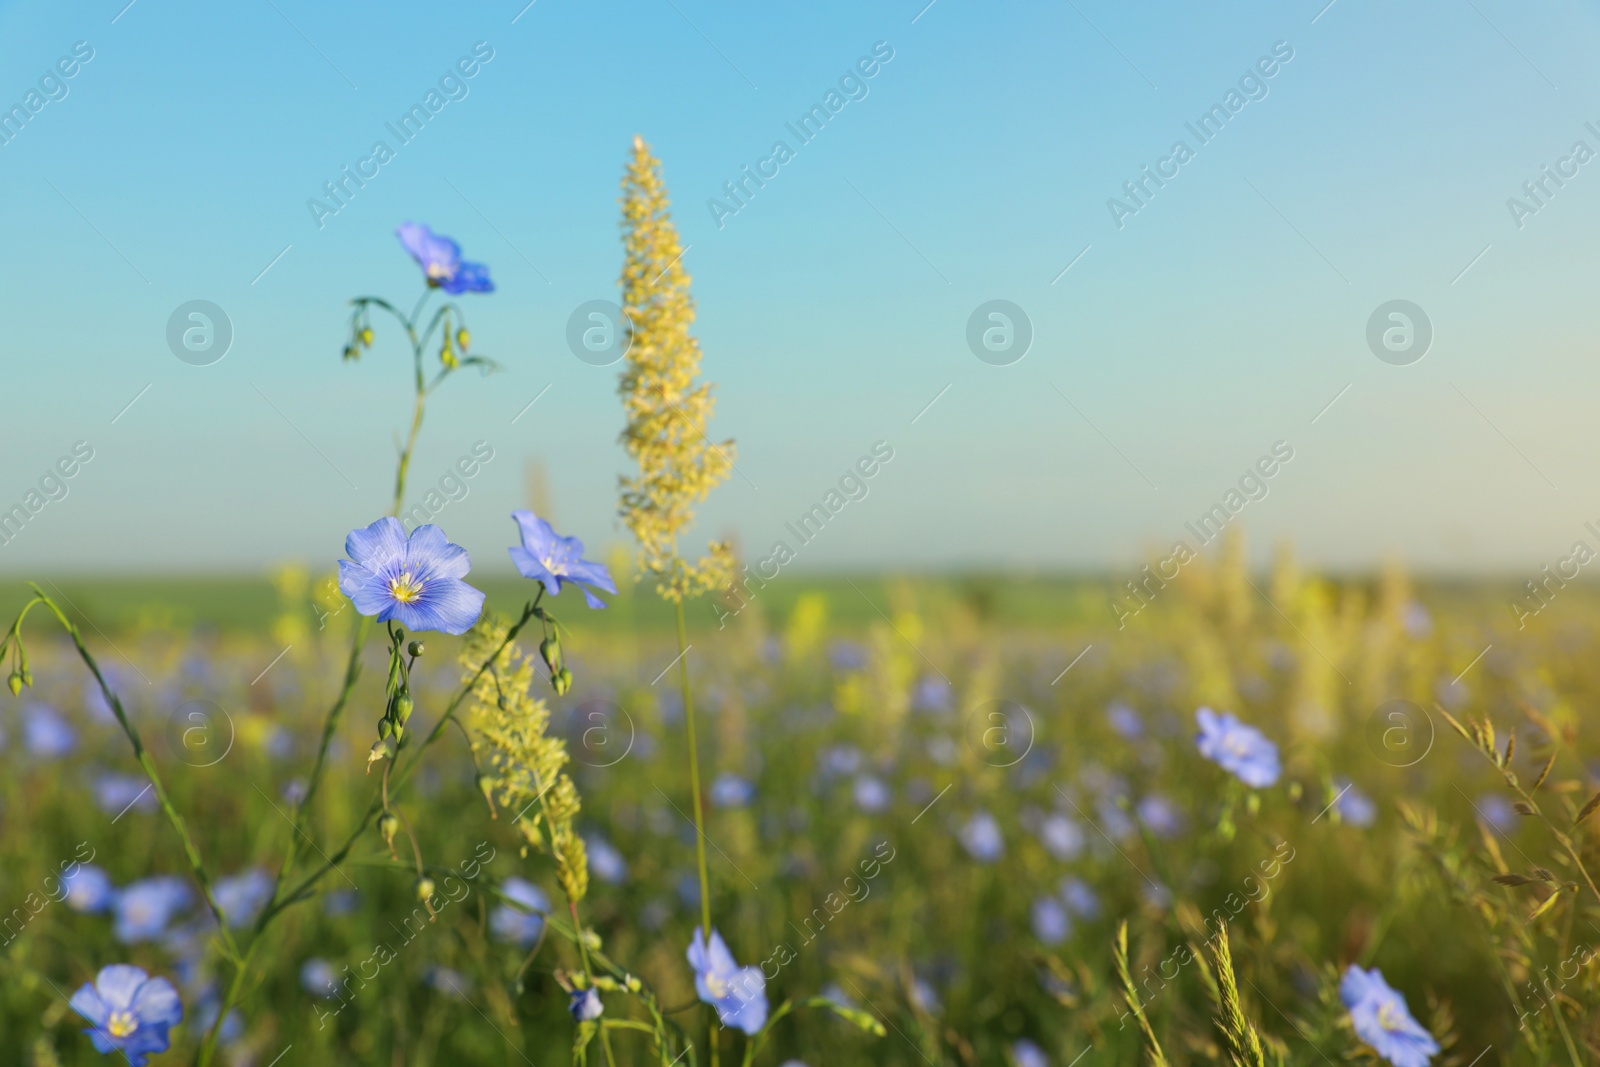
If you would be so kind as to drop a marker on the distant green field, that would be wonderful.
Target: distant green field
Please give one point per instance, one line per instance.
(244, 603)
(854, 602)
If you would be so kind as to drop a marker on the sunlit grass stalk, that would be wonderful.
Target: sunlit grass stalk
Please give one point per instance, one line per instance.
(694, 772)
(1244, 1043)
(1119, 948)
(667, 409)
(1482, 738)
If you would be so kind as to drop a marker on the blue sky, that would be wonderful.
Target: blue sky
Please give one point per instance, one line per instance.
(1222, 317)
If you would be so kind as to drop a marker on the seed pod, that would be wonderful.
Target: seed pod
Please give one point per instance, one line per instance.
(403, 705)
(415, 648)
(14, 682)
(425, 888)
(561, 681)
(385, 727)
(388, 826)
(550, 649)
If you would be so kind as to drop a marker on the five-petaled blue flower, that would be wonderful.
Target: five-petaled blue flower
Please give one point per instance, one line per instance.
(242, 896)
(46, 734)
(318, 977)
(116, 793)
(731, 791)
(585, 1005)
(520, 925)
(1051, 924)
(1354, 806)
(1026, 1054)
(1240, 749)
(548, 557)
(415, 580)
(1382, 1020)
(606, 861)
(146, 907)
(88, 889)
(738, 993)
(441, 262)
(130, 1012)
(982, 838)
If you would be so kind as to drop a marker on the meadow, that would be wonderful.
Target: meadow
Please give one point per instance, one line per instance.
(399, 812)
(1016, 856)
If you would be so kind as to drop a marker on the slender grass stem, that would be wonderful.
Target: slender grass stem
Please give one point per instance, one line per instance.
(694, 786)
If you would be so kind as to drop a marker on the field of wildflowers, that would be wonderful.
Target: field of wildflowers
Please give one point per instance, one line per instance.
(1316, 822)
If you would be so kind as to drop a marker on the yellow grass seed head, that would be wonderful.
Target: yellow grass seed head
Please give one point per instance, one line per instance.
(666, 408)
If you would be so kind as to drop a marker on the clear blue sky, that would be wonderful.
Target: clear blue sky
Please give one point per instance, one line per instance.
(1220, 318)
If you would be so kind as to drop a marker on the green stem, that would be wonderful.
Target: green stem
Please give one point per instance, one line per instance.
(190, 850)
(487, 665)
(411, 440)
(352, 673)
(282, 901)
(353, 666)
(208, 1047)
(755, 1044)
(694, 786)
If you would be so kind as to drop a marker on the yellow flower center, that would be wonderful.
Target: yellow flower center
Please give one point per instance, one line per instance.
(718, 987)
(1389, 1017)
(405, 588)
(121, 1023)
(556, 567)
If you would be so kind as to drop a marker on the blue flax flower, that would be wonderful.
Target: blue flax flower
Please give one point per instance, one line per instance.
(872, 795)
(441, 262)
(1160, 815)
(1242, 750)
(585, 1005)
(1125, 721)
(981, 838)
(115, 793)
(88, 889)
(1381, 1019)
(129, 1012)
(546, 556)
(318, 977)
(242, 896)
(731, 791)
(146, 907)
(1051, 924)
(1354, 806)
(446, 980)
(415, 580)
(1061, 837)
(606, 861)
(738, 993)
(1026, 1054)
(517, 925)
(1079, 897)
(1497, 811)
(46, 734)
